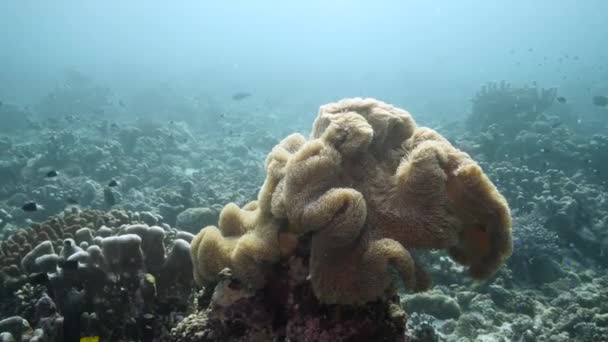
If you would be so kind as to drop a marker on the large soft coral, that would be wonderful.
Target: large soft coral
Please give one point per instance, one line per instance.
(371, 185)
(247, 239)
(368, 186)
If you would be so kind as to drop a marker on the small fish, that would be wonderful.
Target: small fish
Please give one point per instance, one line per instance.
(120, 103)
(31, 206)
(113, 183)
(51, 174)
(98, 111)
(557, 124)
(561, 99)
(530, 49)
(0, 103)
(241, 95)
(600, 101)
(545, 150)
(72, 201)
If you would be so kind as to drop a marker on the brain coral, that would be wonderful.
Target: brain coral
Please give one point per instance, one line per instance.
(368, 186)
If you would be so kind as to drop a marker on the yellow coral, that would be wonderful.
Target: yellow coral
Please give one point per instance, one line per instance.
(368, 186)
(247, 240)
(371, 185)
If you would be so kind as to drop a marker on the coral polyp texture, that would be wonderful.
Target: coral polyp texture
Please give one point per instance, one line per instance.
(368, 187)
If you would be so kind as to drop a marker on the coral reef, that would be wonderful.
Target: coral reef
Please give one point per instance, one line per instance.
(112, 276)
(368, 186)
(536, 251)
(545, 156)
(570, 204)
(572, 308)
(548, 168)
(546, 165)
(155, 165)
(365, 189)
(286, 310)
(508, 108)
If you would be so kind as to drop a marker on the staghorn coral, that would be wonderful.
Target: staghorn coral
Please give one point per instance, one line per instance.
(368, 186)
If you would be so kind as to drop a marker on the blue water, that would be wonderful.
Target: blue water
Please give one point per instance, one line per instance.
(428, 56)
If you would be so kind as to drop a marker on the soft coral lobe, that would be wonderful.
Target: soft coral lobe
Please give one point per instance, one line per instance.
(366, 188)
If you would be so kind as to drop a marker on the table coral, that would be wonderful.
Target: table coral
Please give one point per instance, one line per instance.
(369, 185)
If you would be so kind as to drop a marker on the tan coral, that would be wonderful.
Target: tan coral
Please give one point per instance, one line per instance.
(371, 185)
(368, 186)
(247, 239)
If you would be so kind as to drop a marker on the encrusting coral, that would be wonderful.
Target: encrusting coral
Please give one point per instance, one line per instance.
(368, 186)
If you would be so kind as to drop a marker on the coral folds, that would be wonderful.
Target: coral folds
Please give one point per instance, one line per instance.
(368, 187)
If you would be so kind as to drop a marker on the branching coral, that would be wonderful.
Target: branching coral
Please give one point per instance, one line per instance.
(368, 186)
